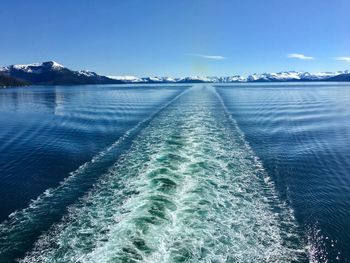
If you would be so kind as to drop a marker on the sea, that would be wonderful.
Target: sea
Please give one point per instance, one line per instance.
(250, 172)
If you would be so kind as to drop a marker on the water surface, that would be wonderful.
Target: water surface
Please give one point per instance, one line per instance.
(242, 173)
(301, 132)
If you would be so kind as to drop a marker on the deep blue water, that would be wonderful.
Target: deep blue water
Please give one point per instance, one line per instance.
(225, 173)
(47, 132)
(301, 132)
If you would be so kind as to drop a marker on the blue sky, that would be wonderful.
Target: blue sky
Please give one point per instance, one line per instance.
(178, 38)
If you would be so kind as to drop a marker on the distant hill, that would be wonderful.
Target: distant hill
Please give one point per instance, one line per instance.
(286, 76)
(341, 77)
(52, 73)
(11, 81)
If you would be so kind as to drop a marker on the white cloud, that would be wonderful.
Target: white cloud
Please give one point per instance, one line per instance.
(215, 57)
(346, 59)
(299, 56)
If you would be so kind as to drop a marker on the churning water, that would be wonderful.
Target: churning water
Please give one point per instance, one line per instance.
(167, 174)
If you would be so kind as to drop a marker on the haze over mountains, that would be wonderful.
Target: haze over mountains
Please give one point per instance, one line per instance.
(53, 73)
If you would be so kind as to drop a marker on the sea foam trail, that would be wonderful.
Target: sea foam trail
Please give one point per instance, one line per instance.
(23, 226)
(188, 190)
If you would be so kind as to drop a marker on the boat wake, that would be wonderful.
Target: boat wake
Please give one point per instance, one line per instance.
(189, 189)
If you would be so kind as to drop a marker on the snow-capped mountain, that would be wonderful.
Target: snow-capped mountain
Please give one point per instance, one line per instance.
(35, 68)
(157, 80)
(229, 79)
(53, 73)
(292, 76)
(130, 79)
(193, 79)
(265, 77)
(133, 79)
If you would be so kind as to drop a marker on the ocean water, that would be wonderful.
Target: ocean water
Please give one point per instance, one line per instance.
(198, 173)
(301, 132)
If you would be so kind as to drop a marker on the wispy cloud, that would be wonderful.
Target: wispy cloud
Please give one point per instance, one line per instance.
(215, 57)
(299, 56)
(346, 59)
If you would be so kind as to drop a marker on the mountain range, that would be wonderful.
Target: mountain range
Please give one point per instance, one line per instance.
(53, 73)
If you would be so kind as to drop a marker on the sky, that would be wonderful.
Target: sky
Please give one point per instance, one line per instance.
(178, 38)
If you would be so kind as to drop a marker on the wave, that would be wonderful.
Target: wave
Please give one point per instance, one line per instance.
(189, 189)
(27, 224)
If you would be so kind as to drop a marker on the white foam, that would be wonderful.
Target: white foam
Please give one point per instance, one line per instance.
(190, 188)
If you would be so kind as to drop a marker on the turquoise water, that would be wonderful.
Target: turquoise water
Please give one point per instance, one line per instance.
(182, 178)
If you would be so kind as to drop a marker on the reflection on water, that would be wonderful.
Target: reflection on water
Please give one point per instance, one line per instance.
(241, 173)
(302, 134)
(189, 188)
(47, 132)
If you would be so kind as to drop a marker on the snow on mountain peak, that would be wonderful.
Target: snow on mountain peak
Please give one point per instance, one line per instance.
(132, 79)
(35, 68)
(87, 73)
(53, 64)
(49, 66)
